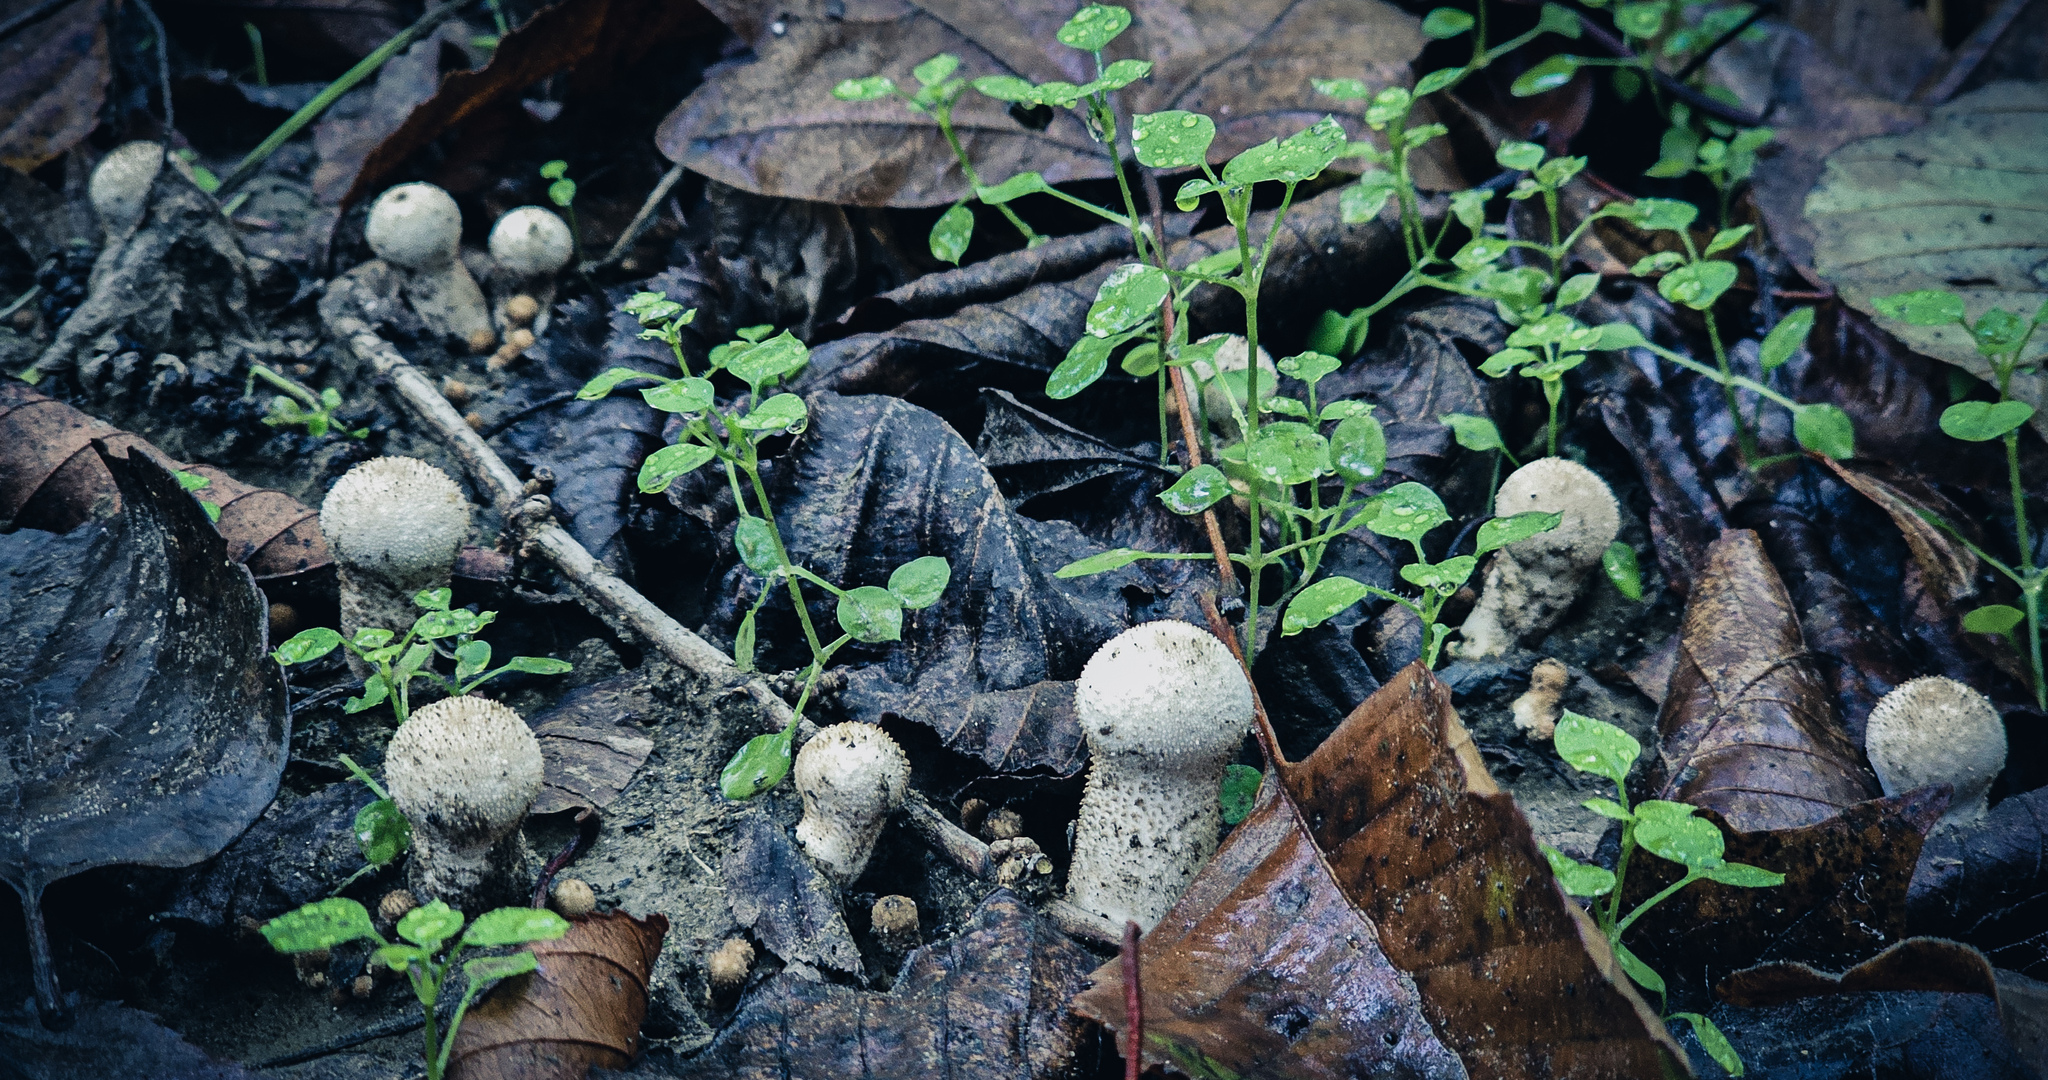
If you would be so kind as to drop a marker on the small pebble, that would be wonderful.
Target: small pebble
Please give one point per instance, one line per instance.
(895, 924)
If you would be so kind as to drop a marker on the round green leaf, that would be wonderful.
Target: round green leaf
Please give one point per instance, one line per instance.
(1239, 793)
(429, 599)
(1745, 876)
(1608, 808)
(1713, 1042)
(307, 645)
(1342, 89)
(1445, 577)
(1362, 202)
(1475, 433)
(1435, 81)
(1141, 361)
(1300, 156)
(1093, 27)
(1121, 74)
(1407, 511)
(1319, 602)
(1689, 841)
(759, 766)
(1654, 215)
(485, 969)
(871, 614)
(322, 924)
(1128, 298)
(430, 924)
(1825, 429)
(1578, 878)
(935, 70)
(1595, 746)
(951, 233)
(1644, 975)
(562, 192)
(1664, 809)
(540, 665)
(666, 464)
(1697, 285)
(1358, 449)
(772, 359)
(685, 395)
(1499, 532)
(754, 538)
(1546, 76)
(1100, 563)
(1641, 21)
(1480, 252)
(1197, 490)
(1993, 619)
(514, 926)
(868, 89)
(1175, 139)
(1727, 238)
(1288, 453)
(1786, 338)
(1619, 563)
(382, 832)
(1446, 22)
(783, 412)
(1085, 363)
(919, 583)
(1309, 367)
(1005, 88)
(1982, 421)
(1576, 288)
(1517, 155)
(1923, 307)
(1345, 410)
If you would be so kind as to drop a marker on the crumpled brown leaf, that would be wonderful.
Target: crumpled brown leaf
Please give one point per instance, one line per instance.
(589, 747)
(769, 123)
(581, 1010)
(991, 1002)
(1388, 910)
(1748, 729)
(50, 478)
(108, 1040)
(53, 79)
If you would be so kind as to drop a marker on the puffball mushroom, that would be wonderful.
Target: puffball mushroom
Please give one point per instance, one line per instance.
(463, 771)
(418, 228)
(1164, 706)
(1937, 731)
(1532, 583)
(852, 777)
(119, 188)
(531, 242)
(395, 525)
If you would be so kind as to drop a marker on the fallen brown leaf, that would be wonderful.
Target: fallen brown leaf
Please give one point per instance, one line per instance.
(50, 478)
(589, 746)
(1385, 908)
(1947, 565)
(1919, 963)
(769, 123)
(581, 1010)
(54, 69)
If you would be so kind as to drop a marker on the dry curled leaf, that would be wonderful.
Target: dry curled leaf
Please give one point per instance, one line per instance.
(581, 1010)
(1988, 884)
(768, 123)
(1919, 963)
(1947, 565)
(991, 1002)
(782, 898)
(53, 77)
(1385, 908)
(589, 747)
(50, 479)
(1748, 726)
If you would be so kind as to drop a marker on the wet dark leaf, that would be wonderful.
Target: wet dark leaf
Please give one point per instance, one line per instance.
(1685, 511)
(1986, 884)
(1919, 963)
(1928, 1036)
(581, 1009)
(148, 726)
(991, 1002)
(1384, 908)
(788, 905)
(936, 295)
(350, 132)
(53, 78)
(108, 1040)
(590, 743)
(295, 854)
(770, 124)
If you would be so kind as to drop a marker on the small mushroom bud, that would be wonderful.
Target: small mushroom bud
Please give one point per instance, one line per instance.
(1533, 582)
(1021, 865)
(521, 310)
(852, 776)
(895, 923)
(1937, 731)
(418, 228)
(1537, 711)
(972, 813)
(119, 188)
(464, 770)
(394, 906)
(1164, 706)
(363, 987)
(572, 898)
(532, 242)
(728, 967)
(1002, 824)
(395, 525)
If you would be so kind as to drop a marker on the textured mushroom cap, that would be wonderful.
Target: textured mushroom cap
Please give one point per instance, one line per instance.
(1559, 486)
(852, 769)
(396, 516)
(1936, 731)
(1163, 689)
(466, 767)
(417, 226)
(531, 241)
(119, 187)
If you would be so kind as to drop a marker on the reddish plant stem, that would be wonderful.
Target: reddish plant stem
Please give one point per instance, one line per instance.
(1269, 740)
(586, 834)
(1134, 1004)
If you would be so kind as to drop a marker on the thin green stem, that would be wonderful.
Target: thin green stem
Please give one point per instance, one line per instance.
(944, 115)
(796, 593)
(1691, 875)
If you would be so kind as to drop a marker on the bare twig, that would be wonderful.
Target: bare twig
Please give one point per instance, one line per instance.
(950, 841)
(1719, 110)
(1134, 1004)
(1262, 726)
(163, 65)
(1693, 65)
(1940, 87)
(639, 222)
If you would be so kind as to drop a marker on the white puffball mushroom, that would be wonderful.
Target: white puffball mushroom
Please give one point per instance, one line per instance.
(1531, 583)
(395, 525)
(464, 770)
(119, 188)
(852, 777)
(1164, 706)
(532, 241)
(418, 228)
(1937, 731)
(1216, 396)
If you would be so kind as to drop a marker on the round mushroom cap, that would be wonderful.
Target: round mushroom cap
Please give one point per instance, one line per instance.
(853, 765)
(531, 241)
(467, 767)
(395, 514)
(119, 188)
(1936, 731)
(1166, 689)
(417, 226)
(1559, 486)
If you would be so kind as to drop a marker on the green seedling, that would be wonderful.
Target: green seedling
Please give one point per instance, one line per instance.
(297, 404)
(438, 632)
(382, 832)
(1667, 830)
(1240, 792)
(761, 359)
(2001, 337)
(194, 482)
(427, 952)
(562, 192)
(938, 91)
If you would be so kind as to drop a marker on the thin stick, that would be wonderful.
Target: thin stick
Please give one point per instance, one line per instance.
(364, 68)
(639, 222)
(163, 65)
(1719, 110)
(1937, 90)
(1134, 1004)
(1693, 65)
(1262, 726)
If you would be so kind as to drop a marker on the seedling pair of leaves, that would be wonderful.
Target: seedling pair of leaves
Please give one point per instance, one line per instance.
(396, 661)
(426, 952)
(297, 405)
(2002, 337)
(1665, 829)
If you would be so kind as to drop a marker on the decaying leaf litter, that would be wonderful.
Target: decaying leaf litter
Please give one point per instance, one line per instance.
(1814, 506)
